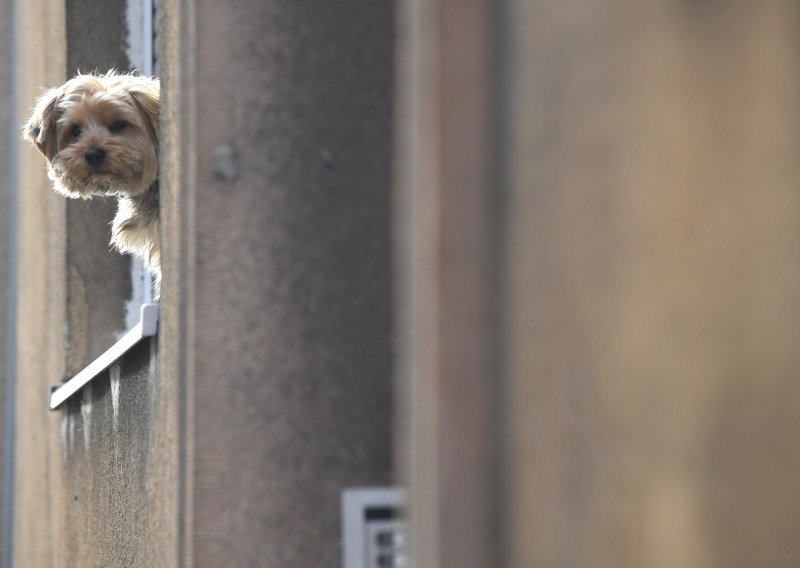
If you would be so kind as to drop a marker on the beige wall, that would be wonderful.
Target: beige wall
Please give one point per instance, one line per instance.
(654, 225)
(641, 196)
(448, 446)
(41, 307)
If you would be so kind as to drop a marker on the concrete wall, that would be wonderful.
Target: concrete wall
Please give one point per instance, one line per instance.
(277, 293)
(117, 490)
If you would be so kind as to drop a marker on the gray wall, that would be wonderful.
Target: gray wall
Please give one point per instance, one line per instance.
(8, 131)
(277, 293)
(116, 500)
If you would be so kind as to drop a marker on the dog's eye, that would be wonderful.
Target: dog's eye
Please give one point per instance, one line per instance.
(118, 126)
(76, 131)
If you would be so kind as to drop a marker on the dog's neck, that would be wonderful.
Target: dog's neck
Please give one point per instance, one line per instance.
(143, 215)
(135, 228)
(147, 201)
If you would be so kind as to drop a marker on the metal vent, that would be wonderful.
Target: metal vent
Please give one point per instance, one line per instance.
(374, 528)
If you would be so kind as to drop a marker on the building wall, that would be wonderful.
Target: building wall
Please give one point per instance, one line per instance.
(229, 438)
(653, 230)
(6, 308)
(632, 401)
(450, 448)
(40, 300)
(277, 295)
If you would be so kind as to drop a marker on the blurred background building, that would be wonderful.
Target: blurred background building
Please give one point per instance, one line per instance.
(534, 260)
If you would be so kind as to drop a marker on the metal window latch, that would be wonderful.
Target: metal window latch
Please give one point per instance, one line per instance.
(374, 528)
(147, 327)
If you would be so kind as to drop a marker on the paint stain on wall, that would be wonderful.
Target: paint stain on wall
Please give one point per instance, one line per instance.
(114, 373)
(86, 414)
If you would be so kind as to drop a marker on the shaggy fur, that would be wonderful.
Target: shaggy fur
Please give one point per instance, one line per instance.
(99, 134)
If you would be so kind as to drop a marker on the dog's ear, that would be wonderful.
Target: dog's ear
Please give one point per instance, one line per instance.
(145, 93)
(40, 129)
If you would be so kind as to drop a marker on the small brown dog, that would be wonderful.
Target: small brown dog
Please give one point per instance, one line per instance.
(99, 134)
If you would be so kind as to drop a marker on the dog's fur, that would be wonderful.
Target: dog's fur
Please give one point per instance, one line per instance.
(99, 134)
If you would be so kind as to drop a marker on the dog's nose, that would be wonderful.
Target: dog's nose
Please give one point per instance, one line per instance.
(95, 156)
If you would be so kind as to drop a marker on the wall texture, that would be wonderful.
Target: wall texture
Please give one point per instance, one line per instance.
(277, 292)
(117, 490)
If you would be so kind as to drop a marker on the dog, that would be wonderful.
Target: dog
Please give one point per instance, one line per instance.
(99, 135)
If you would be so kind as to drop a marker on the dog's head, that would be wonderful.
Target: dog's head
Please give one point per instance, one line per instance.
(99, 134)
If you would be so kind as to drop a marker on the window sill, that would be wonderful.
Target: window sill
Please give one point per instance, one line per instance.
(147, 327)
